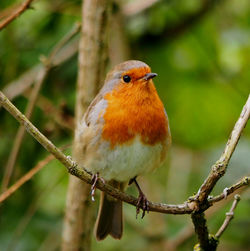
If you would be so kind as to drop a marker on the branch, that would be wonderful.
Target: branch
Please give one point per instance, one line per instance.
(84, 175)
(219, 168)
(24, 6)
(188, 231)
(243, 182)
(81, 172)
(200, 225)
(92, 62)
(229, 217)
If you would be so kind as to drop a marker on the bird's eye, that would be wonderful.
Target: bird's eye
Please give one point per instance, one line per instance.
(126, 78)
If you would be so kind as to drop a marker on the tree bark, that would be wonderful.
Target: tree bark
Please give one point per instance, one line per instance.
(119, 50)
(92, 61)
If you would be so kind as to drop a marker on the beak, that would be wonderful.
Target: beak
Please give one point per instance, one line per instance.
(149, 76)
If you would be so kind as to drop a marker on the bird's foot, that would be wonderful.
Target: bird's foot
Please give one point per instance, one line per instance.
(225, 192)
(95, 178)
(143, 204)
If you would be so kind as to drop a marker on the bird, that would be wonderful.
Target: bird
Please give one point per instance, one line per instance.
(124, 134)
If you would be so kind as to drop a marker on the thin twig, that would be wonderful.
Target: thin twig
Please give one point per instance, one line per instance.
(25, 178)
(24, 6)
(48, 64)
(229, 217)
(243, 182)
(8, 10)
(219, 168)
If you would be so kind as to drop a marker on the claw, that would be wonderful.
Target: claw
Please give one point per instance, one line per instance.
(142, 202)
(95, 178)
(225, 192)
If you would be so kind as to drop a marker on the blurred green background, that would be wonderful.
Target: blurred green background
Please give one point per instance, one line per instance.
(202, 59)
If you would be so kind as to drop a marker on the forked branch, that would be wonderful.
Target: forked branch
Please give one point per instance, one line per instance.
(84, 175)
(243, 182)
(229, 217)
(219, 168)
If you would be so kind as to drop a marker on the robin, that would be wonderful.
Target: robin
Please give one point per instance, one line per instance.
(123, 134)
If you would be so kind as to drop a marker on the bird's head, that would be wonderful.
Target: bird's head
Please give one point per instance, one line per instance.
(129, 74)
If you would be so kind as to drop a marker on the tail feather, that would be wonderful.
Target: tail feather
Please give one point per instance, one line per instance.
(117, 221)
(109, 220)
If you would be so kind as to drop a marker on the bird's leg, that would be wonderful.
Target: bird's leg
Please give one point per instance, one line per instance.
(142, 199)
(95, 178)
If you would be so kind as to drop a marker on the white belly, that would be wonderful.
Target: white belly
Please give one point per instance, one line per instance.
(125, 162)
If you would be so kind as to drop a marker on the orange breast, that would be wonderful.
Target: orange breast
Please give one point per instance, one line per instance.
(134, 110)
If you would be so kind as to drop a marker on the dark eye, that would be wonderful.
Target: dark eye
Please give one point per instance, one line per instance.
(126, 78)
